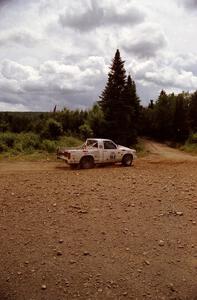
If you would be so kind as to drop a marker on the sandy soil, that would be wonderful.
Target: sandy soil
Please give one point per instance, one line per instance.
(105, 233)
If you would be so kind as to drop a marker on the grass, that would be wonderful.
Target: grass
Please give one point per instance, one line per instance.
(30, 147)
(140, 148)
(190, 148)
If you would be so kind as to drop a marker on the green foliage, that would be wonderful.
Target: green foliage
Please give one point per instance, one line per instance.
(49, 146)
(52, 130)
(170, 117)
(120, 104)
(192, 138)
(193, 112)
(71, 120)
(27, 142)
(190, 148)
(163, 117)
(96, 121)
(7, 139)
(69, 141)
(12, 144)
(85, 131)
(180, 124)
(3, 147)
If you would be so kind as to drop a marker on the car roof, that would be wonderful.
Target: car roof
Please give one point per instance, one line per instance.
(99, 139)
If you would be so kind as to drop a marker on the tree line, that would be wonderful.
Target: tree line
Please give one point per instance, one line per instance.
(118, 115)
(171, 117)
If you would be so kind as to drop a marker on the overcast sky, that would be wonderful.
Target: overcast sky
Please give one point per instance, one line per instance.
(58, 52)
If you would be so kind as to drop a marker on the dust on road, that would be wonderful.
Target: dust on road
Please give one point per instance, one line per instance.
(105, 233)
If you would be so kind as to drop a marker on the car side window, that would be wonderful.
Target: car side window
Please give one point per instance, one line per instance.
(109, 145)
(95, 145)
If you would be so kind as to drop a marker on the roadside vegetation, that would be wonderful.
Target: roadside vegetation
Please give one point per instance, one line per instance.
(118, 115)
(32, 146)
(190, 145)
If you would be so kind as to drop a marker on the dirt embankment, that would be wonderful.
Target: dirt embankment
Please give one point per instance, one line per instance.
(105, 233)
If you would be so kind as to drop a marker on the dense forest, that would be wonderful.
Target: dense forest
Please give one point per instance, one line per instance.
(118, 115)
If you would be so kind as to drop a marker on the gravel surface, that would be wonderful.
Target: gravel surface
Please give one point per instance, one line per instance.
(105, 233)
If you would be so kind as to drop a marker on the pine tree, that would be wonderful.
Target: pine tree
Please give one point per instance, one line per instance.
(134, 103)
(112, 96)
(181, 129)
(193, 112)
(164, 114)
(116, 103)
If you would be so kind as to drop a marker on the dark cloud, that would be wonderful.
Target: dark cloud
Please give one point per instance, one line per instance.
(83, 21)
(191, 4)
(146, 47)
(4, 1)
(96, 16)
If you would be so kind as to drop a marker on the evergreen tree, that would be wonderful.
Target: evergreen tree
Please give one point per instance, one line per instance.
(181, 129)
(151, 104)
(116, 103)
(133, 105)
(134, 100)
(193, 112)
(164, 115)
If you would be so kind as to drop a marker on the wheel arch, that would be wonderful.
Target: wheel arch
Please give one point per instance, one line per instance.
(86, 156)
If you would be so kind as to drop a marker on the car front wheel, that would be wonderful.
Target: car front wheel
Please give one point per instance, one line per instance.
(127, 160)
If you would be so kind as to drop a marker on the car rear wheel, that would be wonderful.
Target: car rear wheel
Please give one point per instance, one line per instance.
(127, 160)
(87, 162)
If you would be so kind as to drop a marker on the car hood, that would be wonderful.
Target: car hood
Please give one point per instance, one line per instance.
(125, 148)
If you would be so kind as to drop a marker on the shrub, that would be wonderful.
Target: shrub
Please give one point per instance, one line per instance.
(8, 139)
(85, 131)
(49, 146)
(193, 138)
(53, 130)
(27, 142)
(69, 141)
(3, 147)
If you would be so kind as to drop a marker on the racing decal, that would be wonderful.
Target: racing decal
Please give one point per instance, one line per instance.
(112, 155)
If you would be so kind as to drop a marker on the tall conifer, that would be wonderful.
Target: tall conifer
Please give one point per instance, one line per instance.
(118, 104)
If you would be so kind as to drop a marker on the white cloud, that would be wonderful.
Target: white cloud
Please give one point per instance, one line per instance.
(18, 37)
(4, 106)
(13, 70)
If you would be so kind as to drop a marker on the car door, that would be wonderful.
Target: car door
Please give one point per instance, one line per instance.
(109, 151)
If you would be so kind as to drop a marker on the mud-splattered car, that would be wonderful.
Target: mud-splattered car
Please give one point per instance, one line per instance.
(97, 151)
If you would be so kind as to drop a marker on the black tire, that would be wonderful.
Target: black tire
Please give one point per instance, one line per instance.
(127, 160)
(87, 162)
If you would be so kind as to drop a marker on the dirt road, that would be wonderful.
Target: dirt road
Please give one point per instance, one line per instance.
(105, 233)
(162, 151)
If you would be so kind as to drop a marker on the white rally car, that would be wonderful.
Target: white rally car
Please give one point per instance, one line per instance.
(97, 151)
